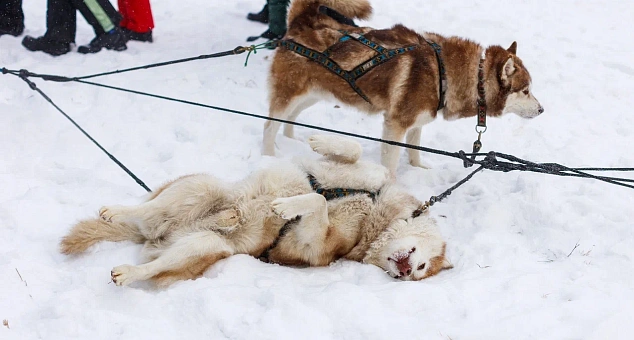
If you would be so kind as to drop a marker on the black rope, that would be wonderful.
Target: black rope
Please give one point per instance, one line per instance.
(48, 77)
(490, 164)
(436, 199)
(113, 158)
(490, 161)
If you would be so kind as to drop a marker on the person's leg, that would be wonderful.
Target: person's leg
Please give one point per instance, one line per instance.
(262, 16)
(60, 29)
(123, 10)
(99, 14)
(61, 21)
(104, 19)
(137, 23)
(138, 16)
(277, 20)
(277, 16)
(11, 17)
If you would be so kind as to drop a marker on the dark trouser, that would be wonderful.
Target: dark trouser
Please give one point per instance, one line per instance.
(277, 15)
(11, 14)
(61, 18)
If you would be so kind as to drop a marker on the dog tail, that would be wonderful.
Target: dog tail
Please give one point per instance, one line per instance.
(88, 232)
(352, 9)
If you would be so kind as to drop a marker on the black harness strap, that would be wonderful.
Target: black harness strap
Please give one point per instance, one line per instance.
(323, 58)
(442, 86)
(332, 193)
(340, 18)
(325, 61)
(264, 257)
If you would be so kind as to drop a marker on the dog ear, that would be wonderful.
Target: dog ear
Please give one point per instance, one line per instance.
(507, 70)
(513, 48)
(446, 264)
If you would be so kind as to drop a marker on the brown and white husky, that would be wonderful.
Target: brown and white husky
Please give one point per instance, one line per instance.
(192, 222)
(406, 88)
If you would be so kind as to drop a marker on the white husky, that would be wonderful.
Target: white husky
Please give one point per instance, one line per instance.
(309, 212)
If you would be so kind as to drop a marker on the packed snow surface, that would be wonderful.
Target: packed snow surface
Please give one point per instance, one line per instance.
(535, 256)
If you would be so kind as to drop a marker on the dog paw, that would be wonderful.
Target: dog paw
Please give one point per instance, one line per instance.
(320, 144)
(109, 213)
(228, 218)
(420, 164)
(287, 208)
(123, 275)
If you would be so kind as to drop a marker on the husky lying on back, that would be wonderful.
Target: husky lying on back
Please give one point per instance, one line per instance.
(310, 212)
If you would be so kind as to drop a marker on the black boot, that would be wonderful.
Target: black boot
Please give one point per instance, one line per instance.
(113, 40)
(262, 17)
(268, 35)
(46, 45)
(133, 35)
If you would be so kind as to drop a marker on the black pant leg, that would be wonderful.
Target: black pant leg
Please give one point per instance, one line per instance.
(61, 21)
(11, 14)
(100, 14)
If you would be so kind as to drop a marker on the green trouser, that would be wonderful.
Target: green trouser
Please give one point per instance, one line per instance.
(277, 16)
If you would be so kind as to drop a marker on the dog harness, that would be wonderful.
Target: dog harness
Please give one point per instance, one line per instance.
(382, 56)
(333, 193)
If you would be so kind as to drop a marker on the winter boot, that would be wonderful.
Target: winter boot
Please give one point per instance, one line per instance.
(262, 17)
(112, 40)
(46, 45)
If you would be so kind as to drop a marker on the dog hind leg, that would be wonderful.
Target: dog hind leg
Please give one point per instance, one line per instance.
(286, 107)
(289, 129)
(185, 257)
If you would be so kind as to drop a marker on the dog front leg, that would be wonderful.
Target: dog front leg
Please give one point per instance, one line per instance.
(313, 209)
(338, 149)
(390, 153)
(176, 258)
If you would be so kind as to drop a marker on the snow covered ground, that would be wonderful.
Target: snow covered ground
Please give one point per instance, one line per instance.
(512, 236)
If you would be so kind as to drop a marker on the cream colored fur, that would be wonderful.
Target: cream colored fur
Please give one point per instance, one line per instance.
(196, 220)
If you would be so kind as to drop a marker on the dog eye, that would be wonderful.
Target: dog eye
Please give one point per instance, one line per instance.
(525, 92)
(422, 266)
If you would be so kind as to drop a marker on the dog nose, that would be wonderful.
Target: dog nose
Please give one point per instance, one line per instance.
(403, 267)
(541, 109)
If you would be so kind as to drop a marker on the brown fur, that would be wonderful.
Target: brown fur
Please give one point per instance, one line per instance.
(194, 268)
(437, 264)
(405, 88)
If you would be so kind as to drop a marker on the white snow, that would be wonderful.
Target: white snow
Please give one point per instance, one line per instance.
(510, 236)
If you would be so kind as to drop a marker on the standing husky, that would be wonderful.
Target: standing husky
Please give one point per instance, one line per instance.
(395, 71)
(310, 212)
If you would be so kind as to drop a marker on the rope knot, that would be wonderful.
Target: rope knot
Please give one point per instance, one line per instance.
(24, 73)
(466, 162)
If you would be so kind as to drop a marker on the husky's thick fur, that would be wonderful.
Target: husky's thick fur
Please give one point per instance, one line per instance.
(405, 88)
(189, 224)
